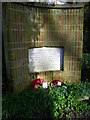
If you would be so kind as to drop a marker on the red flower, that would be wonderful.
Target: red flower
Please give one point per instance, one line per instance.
(36, 82)
(54, 82)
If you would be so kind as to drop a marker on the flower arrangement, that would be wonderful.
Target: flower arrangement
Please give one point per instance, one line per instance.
(40, 82)
(57, 81)
(37, 82)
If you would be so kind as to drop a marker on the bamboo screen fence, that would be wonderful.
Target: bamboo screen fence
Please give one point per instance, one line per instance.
(25, 27)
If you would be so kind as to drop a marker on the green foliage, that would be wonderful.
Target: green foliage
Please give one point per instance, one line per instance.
(86, 33)
(54, 103)
(86, 67)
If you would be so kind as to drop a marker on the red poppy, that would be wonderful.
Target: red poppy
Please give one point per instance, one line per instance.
(37, 82)
(54, 82)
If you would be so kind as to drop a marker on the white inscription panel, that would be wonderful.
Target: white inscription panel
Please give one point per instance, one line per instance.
(45, 59)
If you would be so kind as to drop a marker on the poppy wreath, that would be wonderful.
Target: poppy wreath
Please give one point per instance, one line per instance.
(54, 82)
(35, 83)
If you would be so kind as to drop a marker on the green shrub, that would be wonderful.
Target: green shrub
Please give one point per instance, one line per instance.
(86, 67)
(54, 103)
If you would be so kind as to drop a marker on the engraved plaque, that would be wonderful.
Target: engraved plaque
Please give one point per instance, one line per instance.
(45, 59)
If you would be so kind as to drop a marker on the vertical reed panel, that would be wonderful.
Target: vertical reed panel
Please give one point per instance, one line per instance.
(37, 27)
